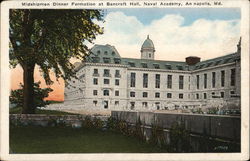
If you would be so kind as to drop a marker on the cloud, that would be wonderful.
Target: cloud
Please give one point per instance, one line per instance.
(172, 40)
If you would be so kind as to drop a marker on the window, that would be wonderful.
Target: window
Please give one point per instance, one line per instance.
(117, 73)
(132, 80)
(145, 94)
(145, 104)
(157, 80)
(95, 71)
(95, 92)
(157, 95)
(181, 96)
(106, 60)
(179, 67)
(144, 65)
(169, 95)
(95, 102)
(205, 81)
(132, 105)
(168, 66)
(106, 73)
(197, 96)
(95, 81)
(149, 55)
(157, 105)
(106, 81)
(106, 92)
(205, 95)
(222, 94)
(117, 61)
(132, 64)
(145, 80)
(96, 59)
(197, 81)
(213, 79)
(169, 81)
(117, 82)
(232, 77)
(181, 81)
(213, 94)
(116, 103)
(222, 78)
(157, 66)
(132, 94)
(98, 52)
(116, 93)
(232, 92)
(105, 52)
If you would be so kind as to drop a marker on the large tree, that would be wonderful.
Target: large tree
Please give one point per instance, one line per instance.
(49, 38)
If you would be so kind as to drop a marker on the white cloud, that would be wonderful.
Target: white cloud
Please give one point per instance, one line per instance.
(173, 41)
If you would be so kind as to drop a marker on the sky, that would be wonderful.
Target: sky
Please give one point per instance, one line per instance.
(175, 32)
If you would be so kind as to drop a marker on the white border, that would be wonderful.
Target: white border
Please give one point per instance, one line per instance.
(5, 86)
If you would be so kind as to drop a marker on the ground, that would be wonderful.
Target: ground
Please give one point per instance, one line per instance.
(33, 139)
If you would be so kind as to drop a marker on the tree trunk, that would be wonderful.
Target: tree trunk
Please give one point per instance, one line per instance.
(28, 89)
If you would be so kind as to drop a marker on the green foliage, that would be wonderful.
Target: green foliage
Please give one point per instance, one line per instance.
(16, 96)
(50, 38)
(179, 138)
(98, 123)
(213, 110)
(87, 122)
(139, 130)
(111, 123)
(157, 135)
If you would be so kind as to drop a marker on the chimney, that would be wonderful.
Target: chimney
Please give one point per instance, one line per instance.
(239, 46)
(192, 60)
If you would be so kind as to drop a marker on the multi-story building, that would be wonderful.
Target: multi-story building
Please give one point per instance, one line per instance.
(108, 81)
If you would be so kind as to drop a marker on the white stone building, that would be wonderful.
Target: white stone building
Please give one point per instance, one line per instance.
(108, 81)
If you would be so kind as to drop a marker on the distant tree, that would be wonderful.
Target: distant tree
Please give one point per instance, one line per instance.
(16, 96)
(49, 38)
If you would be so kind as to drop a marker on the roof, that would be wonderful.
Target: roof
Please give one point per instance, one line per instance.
(229, 58)
(148, 43)
(108, 54)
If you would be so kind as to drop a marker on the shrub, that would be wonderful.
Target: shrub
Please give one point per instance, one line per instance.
(179, 138)
(97, 123)
(157, 135)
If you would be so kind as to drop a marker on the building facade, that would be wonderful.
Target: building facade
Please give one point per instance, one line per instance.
(108, 81)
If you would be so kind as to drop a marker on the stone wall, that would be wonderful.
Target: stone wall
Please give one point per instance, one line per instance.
(45, 120)
(215, 126)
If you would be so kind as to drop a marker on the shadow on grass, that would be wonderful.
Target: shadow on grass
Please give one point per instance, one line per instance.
(34, 139)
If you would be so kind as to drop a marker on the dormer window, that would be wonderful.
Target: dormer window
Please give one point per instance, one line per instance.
(117, 60)
(105, 52)
(96, 59)
(98, 52)
(113, 53)
(168, 66)
(157, 66)
(144, 65)
(106, 60)
(179, 67)
(217, 62)
(132, 64)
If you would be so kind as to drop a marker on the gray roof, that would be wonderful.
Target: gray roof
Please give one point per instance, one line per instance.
(148, 43)
(108, 54)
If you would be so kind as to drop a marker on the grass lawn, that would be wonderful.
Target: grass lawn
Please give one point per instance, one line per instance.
(17, 110)
(34, 139)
